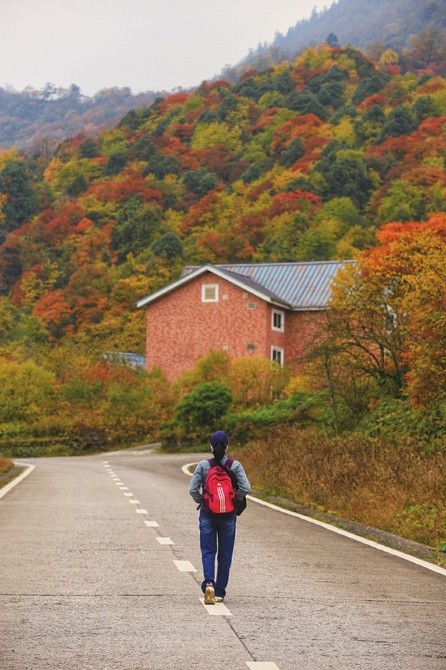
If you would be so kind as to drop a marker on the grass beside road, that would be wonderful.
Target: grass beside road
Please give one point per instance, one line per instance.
(8, 471)
(6, 464)
(397, 488)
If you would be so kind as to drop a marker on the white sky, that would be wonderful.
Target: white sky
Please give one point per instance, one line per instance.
(143, 44)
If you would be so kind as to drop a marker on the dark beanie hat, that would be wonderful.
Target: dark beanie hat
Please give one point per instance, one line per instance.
(219, 436)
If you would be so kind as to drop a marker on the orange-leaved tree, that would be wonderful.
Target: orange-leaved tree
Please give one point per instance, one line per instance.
(388, 312)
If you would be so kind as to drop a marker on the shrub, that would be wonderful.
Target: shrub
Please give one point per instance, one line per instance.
(27, 391)
(257, 423)
(393, 418)
(255, 380)
(5, 464)
(199, 412)
(33, 447)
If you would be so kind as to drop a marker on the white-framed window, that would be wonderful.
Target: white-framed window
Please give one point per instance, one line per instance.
(209, 293)
(277, 355)
(278, 320)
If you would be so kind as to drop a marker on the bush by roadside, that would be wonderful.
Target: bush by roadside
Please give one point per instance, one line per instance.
(8, 470)
(5, 464)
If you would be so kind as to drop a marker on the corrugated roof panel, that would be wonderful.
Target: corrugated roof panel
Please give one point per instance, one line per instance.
(301, 285)
(133, 360)
(249, 281)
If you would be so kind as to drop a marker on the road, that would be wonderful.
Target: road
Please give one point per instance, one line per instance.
(89, 582)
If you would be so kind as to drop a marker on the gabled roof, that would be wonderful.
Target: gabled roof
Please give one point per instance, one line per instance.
(296, 286)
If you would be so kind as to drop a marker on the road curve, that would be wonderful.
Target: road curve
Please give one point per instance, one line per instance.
(100, 570)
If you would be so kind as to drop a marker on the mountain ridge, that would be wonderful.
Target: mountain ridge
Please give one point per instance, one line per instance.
(358, 23)
(38, 120)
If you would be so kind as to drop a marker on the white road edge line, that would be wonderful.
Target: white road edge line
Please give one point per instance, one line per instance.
(339, 531)
(29, 468)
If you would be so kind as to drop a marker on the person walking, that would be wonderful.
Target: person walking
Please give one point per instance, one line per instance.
(217, 528)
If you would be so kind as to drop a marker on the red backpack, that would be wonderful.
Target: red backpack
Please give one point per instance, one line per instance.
(219, 494)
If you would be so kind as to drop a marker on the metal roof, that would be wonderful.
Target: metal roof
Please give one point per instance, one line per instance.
(301, 286)
(244, 282)
(250, 284)
(127, 358)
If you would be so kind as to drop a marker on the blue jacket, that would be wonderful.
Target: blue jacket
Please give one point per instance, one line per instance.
(199, 477)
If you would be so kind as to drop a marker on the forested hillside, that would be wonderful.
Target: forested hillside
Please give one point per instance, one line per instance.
(38, 120)
(333, 156)
(303, 162)
(414, 28)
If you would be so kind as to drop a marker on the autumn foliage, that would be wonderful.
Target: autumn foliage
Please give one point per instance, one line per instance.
(335, 155)
(388, 313)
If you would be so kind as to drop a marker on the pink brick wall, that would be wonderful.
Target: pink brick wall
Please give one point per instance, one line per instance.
(181, 328)
(302, 334)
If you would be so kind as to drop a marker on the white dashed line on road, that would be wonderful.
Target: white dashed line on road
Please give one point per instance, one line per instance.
(218, 609)
(185, 566)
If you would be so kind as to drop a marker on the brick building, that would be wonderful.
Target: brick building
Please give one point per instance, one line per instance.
(269, 309)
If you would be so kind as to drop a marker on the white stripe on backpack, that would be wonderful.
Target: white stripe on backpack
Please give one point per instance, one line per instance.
(221, 497)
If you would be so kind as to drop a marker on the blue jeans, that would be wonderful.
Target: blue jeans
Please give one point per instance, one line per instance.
(217, 536)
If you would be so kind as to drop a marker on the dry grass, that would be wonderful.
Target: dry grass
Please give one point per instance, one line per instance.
(394, 487)
(5, 464)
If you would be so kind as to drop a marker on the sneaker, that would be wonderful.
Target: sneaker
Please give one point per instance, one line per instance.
(209, 595)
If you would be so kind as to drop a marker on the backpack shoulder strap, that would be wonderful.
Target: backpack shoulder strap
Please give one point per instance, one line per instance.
(227, 468)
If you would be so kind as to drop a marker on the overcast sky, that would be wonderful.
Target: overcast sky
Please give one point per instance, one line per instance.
(143, 44)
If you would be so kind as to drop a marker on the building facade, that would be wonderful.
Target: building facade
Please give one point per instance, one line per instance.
(269, 309)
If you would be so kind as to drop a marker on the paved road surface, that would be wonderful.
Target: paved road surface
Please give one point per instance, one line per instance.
(87, 582)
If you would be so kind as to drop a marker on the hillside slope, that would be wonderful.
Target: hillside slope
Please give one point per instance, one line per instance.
(363, 24)
(303, 162)
(38, 120)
